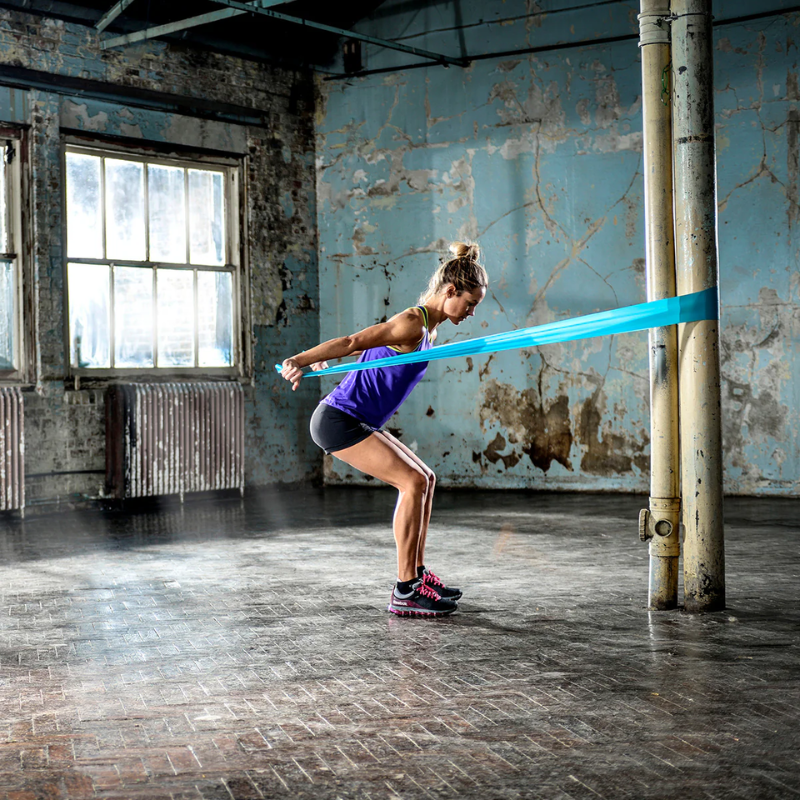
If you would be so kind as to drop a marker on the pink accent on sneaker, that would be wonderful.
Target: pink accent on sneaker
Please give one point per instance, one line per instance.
(429, 579)
(426, 590)
(445, 592)
(423, 601)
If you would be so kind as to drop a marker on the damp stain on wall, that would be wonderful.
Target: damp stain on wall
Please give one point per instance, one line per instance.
(538, 429)
(607, 448)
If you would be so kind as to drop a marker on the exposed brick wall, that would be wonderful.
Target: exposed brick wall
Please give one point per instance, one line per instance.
(65, 429)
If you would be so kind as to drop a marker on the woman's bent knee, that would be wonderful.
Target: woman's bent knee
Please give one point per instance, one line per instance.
(418, 482)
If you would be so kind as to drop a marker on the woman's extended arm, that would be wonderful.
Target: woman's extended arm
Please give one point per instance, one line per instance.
(404, 329)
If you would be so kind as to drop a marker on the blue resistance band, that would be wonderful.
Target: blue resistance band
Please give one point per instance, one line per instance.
(655, 314)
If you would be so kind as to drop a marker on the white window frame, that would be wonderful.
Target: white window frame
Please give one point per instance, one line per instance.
(16, 185)
(233, 169)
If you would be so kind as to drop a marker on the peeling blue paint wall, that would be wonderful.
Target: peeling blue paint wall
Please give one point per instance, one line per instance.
(538, 156)
(757, 102)
(65, 433)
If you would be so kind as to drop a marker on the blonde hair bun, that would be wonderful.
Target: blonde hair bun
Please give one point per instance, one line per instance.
(463, 271)
(470, 250)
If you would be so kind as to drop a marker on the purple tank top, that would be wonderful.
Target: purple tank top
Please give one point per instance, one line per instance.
(373, 395)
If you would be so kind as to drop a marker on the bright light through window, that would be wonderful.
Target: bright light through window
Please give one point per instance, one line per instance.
(151, 270)
(9, 262)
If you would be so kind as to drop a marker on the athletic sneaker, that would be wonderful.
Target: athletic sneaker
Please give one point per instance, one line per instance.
(421, 601)
(436, 583)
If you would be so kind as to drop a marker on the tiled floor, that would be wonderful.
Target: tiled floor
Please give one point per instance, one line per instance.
(242, 650)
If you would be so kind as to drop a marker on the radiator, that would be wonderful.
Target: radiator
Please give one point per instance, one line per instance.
(173, 438)
(12, 450)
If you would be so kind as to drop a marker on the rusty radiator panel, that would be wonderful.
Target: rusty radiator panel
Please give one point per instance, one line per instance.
(12, 450)
(173, 438)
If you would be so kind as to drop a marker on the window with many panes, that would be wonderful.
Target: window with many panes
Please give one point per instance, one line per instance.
(152, 262)
(11, 331)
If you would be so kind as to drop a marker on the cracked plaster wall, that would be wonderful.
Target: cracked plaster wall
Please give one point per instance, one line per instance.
(539, 158)
(65, 428)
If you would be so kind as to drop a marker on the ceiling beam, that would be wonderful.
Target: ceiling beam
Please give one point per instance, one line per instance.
(79, 88)
(258, 8)
(197, 39)
(179, 25)
(112, 14)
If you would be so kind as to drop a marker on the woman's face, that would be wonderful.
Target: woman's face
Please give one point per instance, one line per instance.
(459, 307)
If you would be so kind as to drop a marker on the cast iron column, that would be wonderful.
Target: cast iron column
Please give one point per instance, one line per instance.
(661, 523)
(697, 269)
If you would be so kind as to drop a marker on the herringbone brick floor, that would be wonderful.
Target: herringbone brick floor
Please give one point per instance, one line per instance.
(242, 650)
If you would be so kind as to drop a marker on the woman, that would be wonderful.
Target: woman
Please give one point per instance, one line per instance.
(348, 422)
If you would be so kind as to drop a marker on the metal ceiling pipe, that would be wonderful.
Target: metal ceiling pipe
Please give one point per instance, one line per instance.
(550, 48)
(180, 25)
(112, 14)
(660, 524)
(259, 7)
(697, 269)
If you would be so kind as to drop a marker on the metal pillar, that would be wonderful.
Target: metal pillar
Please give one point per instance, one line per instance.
(661, 523)
(697, 269)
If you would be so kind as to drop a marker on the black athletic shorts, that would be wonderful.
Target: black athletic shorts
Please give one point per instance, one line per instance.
(332, 429)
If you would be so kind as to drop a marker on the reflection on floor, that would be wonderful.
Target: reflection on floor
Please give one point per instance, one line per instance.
(242, 650)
